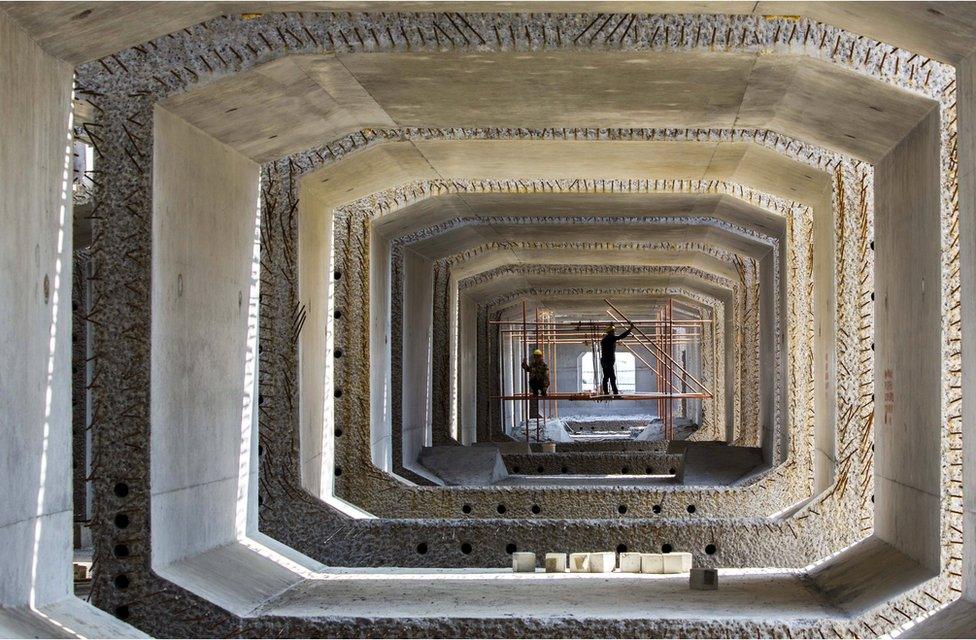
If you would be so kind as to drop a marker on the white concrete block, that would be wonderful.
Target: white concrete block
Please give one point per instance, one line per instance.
(652, 563)
(548, 447)
(579, 563)
(630, 562)
(523, 562)
(677, 562)
(603, 562)
(703, 579)
(555, 563)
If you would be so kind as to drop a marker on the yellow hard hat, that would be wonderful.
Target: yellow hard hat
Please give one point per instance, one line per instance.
(610, 328)
(537, 352)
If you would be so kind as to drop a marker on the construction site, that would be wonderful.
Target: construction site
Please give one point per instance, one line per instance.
(488, 319)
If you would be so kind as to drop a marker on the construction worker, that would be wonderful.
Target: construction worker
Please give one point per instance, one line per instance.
(608, 357)
(538, 373)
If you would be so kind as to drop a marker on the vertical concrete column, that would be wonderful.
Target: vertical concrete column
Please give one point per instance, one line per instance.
(315, 342)
(966, 111)
(825, 344)
(203, 406)
(418, 294)
(908, 308)
(35, 321)
(381, 430)
(467, 364)
(441, 356)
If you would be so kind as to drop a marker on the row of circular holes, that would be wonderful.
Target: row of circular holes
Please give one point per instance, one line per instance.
(623, 470)
(121, 581)
(510, 548)
(536, 509)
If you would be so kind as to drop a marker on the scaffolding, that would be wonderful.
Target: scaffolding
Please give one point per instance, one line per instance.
(656, 338)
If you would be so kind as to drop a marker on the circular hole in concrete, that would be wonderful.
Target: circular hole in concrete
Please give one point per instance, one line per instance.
(872, 245)
(564, 470)
(710, 549)
(121, 520)
(666, 548)
(338, 432)
(466, 508)
(536, 509)
(622, 509)
(539, 469)
(121, 551)
(649, 471)
(337, 353)
(621, 548)
(690, 508)
(260, 500)
(337, 393)
(121, 489)
(337, 314)
(260, 450)
(261, 399)
(337, 274)
(625, 470)
(121, 581)
(465, 548)
(516, 469)
(510, 548)
(501, 508)
(656, 508)
(422, 548)
(338, 471)
(122, 612)
(671, 470)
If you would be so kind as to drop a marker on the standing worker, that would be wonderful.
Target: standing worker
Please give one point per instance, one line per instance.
(608, 357)
(538, 373)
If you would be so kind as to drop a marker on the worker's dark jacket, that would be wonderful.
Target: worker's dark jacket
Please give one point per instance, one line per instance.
(608, 346)
(538, 373)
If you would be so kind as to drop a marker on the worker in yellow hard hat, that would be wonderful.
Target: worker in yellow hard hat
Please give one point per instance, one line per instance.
(608, 357)
(538, 373)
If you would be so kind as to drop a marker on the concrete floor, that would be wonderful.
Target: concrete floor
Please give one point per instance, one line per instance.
(499, 593)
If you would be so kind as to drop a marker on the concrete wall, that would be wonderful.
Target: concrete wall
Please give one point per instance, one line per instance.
(315, 344)
(966, 110)
(204, 341)
(824, 345)
(35, 321)
(908, 312)
(380, 419)
(418, 292)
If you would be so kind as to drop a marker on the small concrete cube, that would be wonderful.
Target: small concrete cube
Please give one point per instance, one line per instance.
(703, 579)
(677, 562)
(555, 563)
(548, 447)
(603, 562)
(523, 562)
(579, 563)
(630, 562)
(652, 563)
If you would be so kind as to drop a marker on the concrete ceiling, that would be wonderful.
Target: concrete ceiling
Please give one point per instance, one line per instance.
(287, 106)
(434, 211)
(396, 163)
(82, 31)
(509, 282)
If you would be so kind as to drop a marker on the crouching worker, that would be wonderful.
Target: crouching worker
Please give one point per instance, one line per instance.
(538, 373)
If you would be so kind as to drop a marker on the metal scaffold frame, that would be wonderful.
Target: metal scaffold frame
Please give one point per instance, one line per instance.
(657, 338)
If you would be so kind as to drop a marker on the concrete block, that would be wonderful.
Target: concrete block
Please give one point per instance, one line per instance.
(703, 579)
(523, 562)
(652, 563)
(676, 562)
(579, 563)
(603, 562)
(555, 563)
(548, 447)
(630, 562)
